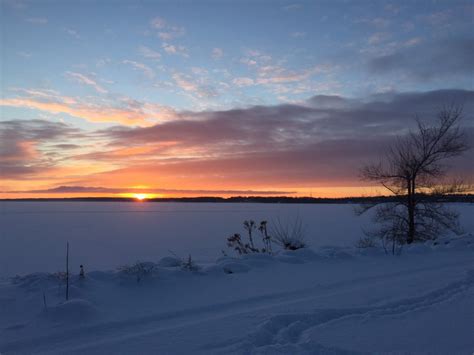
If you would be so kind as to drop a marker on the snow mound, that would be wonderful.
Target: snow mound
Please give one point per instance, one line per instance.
(100, 275)
(228, 265)
(243, 263)
(75, 310)
(169, 261)
(232, 266)
(235, 268)
(247, 262)
(305, 255)
(37, 281)
(299, 256)
(257, 259)
(452, 242)
(419, 248)
(456, 242)
(461, 242)
(332, 252)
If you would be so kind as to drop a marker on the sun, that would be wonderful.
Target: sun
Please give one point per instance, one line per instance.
(140, 197)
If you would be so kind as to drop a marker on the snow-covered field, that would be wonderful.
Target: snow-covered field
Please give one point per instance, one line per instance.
(106, 235)
(331, 299)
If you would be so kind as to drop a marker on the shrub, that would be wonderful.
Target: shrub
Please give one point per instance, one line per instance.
(235, 242)
(250, 227)
(289, 235)
(365, 242)
(189, 264)
(185, 263)
(267, 240)
(139, 270)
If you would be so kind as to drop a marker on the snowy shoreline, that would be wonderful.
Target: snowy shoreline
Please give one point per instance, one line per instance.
(253, 304)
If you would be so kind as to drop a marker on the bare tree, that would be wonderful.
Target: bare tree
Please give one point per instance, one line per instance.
(413, 171)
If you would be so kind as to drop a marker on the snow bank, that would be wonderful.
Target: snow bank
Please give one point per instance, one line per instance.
(169, 261)
(72, 311)
(325, 300)
(241, 264)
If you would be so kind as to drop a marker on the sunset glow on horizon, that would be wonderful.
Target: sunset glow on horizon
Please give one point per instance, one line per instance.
(141, 197)
(291, 100)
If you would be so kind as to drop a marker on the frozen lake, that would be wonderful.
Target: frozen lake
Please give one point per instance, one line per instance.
(104, 235)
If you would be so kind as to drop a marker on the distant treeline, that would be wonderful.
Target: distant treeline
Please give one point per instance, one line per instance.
(466, 198)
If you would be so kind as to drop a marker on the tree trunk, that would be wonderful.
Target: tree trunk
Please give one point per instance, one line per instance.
(411, 211)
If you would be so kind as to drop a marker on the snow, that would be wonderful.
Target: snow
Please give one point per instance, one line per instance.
(169, 261)
(103, 235)
(321, 300)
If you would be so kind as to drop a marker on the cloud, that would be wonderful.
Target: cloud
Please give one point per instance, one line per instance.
(322, 137)
(166, 31)
(438, 18)
(243, 81)
(103, 62)
(175, 49)
(149, 53)
(119, 110)
(121, 190)
(275, 74)
(321, 141)
(432, 59)
(82, 79)
(217, 53)
(281, 80)
(25, 55)
(72, 33)
(21, 142)
(291, 7)
(15, 4)
(172, 33)
(248, 61)
(145, 69)
(298, 34)
(158, 23)
(199, 71)
(393, 9)
(37, 20)
(413, 41)
(254, 57)
(66, 146)
(197, 87)
(377, 22)
(378, 38)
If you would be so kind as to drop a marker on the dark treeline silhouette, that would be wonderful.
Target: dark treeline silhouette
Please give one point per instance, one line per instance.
(462, 198)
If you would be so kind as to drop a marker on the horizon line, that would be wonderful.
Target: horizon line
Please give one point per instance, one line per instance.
(217, 198)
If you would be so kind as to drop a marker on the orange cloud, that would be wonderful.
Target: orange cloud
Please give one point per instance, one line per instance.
(124, 111)
(312, 148)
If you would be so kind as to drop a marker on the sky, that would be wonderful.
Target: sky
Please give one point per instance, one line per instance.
(183, 98)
